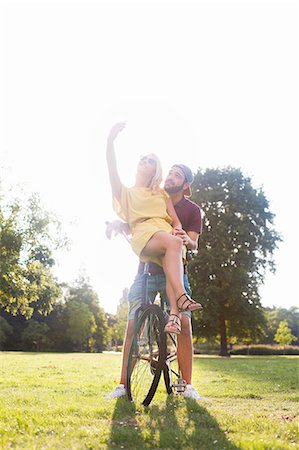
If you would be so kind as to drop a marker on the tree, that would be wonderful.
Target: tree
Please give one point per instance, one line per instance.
(5, 331)
(82, 292)
(35, 335)
(119, 321)
(81, 325)
(236, 247)
(28, 236)
(58, 321)
(276, 315)
(283, 335)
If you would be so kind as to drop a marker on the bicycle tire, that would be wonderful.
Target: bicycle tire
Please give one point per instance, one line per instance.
(146, 356)
(171, 368)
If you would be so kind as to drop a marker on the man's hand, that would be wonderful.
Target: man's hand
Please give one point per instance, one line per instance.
(116, 227)
(182, 234)
(117, 128)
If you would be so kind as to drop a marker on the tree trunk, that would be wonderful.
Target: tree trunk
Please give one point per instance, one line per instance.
(223, 337)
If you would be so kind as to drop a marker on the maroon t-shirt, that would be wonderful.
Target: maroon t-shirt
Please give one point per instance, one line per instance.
(189, 214)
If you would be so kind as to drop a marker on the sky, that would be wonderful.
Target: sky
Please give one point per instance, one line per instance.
(205, 83)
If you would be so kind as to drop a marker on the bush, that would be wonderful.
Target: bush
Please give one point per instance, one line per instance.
(207, 349)
(264, 350)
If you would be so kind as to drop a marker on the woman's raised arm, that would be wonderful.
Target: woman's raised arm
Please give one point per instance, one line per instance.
(111, 160)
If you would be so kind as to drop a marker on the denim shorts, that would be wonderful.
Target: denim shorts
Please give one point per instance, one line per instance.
(156, 284)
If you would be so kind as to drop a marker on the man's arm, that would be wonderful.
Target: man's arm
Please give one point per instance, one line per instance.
(190, 238)
(176, 224)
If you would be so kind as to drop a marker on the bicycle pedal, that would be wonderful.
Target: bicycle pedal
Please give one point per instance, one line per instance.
(180, 386)
(179, 390)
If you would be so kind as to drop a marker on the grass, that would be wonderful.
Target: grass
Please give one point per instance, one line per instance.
(55, 401)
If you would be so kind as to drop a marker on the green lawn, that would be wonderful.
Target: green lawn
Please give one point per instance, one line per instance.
(55, 401)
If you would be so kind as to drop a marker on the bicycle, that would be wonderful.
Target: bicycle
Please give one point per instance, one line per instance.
(152, 351)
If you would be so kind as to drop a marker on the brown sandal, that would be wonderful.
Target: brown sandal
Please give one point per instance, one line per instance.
(173, 324)
(191, 304)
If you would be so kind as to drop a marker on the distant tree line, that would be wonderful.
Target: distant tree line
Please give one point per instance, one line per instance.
(235, 249)
(75, 323)
(78, 323)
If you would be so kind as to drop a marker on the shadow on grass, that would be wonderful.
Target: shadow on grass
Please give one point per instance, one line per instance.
(262, 370)
(179, 423)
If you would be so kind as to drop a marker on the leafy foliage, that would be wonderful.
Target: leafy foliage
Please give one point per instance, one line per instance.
(76, 322)
(81, 324)
(28, 236)
(118, 322)
(283, 334)
(5, 330)
(35, 335)
(82, 294)
(236, 247)
(276, 315)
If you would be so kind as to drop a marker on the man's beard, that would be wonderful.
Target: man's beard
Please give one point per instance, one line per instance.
(173, 189)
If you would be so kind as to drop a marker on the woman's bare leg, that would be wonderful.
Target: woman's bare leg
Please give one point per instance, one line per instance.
(169, 248)
(171, 297)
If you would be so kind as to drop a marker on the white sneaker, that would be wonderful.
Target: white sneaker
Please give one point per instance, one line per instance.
(191, 392)
(119, 391)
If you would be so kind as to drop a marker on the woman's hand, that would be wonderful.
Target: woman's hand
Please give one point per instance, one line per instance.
(117, 128)
(182, 234)
(117, 227)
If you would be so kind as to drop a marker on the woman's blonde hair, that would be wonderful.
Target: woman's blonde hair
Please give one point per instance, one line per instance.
(157, 178)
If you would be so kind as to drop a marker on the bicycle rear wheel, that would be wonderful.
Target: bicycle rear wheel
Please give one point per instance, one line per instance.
(146, 356)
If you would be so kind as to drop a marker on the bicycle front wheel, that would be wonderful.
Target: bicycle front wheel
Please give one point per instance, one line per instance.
(171, 370)
(146, 356)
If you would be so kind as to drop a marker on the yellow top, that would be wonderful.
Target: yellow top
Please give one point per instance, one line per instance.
(146, 213)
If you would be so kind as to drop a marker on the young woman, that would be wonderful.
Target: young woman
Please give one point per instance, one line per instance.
(149, 211)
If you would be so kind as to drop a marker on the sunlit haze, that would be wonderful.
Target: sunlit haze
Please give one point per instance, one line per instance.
(205, 83)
